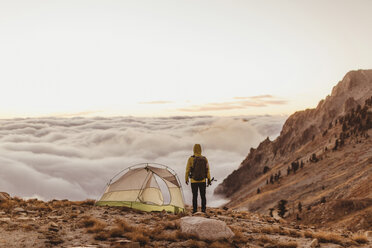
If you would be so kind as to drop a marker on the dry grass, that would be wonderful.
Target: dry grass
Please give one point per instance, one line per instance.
(263, 239)
(240, 216)
(88, 202)
(185, 236)
(169, 235)
(166, 235)
(20, 202)
(27, 227)
(324, 237)
(137, 237)
(195, 244)
(88, 221)
(219, 244)
(169, 225)
(308, 234)
(101, 236)
(294, 233)
(267, 230)
(139, 233)
(97, 227)
(73, 215)
(41, 206)
(175, 217)
(116, 232)
(275, 230)
(60, 204)
(239, 236)
(124, 225)
(290, 244)
(360, 239)
(7, 205)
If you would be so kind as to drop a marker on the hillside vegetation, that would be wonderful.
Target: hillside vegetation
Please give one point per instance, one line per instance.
(322, 161)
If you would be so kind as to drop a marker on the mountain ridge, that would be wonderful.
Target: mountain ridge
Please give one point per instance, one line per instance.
(308, 132)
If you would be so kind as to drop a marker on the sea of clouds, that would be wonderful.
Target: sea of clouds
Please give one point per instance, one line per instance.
(74, 158)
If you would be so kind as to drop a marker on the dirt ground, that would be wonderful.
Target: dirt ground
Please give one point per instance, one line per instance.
(36, 223)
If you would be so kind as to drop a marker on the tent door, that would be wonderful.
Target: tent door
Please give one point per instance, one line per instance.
(164, 189)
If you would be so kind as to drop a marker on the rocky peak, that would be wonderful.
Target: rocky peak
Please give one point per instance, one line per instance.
(302, 127)
(354, 83)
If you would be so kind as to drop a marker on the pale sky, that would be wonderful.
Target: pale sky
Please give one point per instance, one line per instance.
(164, 58)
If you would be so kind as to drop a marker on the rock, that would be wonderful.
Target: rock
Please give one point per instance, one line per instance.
(201, 214)
(4, 219)
(53, 227)
(26, 219)
(2, 213)
(19, 210)
(4, 196)
(55, 217)
(368, 234)
(53, 224)
(314, 243)
(204, 228)
(128, 244)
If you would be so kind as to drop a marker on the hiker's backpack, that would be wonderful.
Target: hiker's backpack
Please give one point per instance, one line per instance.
(199, 168)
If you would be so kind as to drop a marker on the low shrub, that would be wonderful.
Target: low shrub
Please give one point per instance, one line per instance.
(137, 237)
(88, 221)
(290, 244)
(308, 234)
(101, 236)
(121, 223)
(239, 236)
(116, 232)
(324, 237)
(360, 239)
(294, 233)
(97, 227)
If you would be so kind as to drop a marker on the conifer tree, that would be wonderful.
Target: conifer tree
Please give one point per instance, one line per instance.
(282, 209)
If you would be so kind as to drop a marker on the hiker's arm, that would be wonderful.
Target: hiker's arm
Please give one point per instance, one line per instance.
(208, 172)
(187, 173)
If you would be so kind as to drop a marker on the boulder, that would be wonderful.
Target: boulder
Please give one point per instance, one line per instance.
(206, 229)
(4, 196)
(314, 243)
(368, 234)
(19, 210)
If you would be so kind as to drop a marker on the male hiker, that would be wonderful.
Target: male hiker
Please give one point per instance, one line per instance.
(197, 170)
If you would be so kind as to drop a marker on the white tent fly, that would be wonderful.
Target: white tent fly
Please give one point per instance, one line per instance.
(147, 187)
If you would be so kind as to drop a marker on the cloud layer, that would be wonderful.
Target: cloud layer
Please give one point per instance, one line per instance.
(58, 158)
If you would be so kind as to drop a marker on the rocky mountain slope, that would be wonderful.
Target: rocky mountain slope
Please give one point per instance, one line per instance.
(322, 160)
(35, 223)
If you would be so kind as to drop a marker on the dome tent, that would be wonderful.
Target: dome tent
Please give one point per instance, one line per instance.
(146, 187)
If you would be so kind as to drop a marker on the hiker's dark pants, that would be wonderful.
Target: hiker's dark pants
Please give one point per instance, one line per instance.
(194, 188)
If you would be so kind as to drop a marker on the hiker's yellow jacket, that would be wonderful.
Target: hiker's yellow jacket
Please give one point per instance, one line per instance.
(190, 162)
